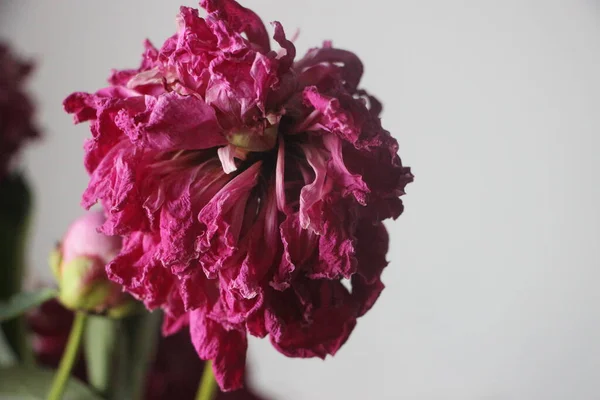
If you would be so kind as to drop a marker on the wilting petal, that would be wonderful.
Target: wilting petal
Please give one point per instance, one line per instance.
(228, 154)
(350, 183)
(290, 50)
(351, 71)
(137, 271)
(222, 220)
(240, 19)
(313, 194)
(261, 245)
(114, 182)
(178, 122)
(298, 250)
(312, 319)
(335, 118)
(173, 324)
(336, 243)
(227, 349)
(371, 249)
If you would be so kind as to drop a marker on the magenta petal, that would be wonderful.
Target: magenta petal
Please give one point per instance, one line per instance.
(313, 194)
(312, 319)
(227, 349)
(349, 182)
(336, 244)
(194, 289)
(290, 50)
(372, 246)
(261, 246)
(114, 181)
(351, 71)
(230, 364)
(137, 271)
(182, 123)
(239, 19)
(335, 118)
(299, 247)
(174, 323)
(222, 218)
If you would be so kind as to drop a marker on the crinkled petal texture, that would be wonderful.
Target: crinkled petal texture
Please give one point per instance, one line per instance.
(250, 188)
(16, 108)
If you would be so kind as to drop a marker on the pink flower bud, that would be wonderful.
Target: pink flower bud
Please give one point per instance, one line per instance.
(79, 263)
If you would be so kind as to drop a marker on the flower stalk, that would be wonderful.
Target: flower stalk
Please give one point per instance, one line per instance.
(208, 385)
(68, 359)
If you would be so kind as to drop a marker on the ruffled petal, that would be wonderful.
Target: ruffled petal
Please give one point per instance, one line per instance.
(138, 272)
(314, 318)
(182, 123)
(227, 349)
(115, 182)
(240, 19)
(350, 72)
(371, 248)
(221, 220)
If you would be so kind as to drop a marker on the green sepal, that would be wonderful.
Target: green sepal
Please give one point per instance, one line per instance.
(54, 260)
(128, 308)
(78, 290)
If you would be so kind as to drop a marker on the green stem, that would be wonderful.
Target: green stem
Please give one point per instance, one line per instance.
(145, 340)
(68, 359)
(137, 343)
(100, 348)
(208, 385)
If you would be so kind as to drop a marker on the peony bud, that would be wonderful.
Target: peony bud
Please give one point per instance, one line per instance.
(78, 264)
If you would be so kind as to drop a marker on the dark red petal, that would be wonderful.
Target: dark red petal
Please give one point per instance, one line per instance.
(240, 19)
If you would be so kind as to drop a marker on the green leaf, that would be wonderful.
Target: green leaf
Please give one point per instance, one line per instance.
(21, 302)
(7, 355)
(33, 383)
(138, 346)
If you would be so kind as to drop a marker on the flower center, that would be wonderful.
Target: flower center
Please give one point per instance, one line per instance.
(254, 141)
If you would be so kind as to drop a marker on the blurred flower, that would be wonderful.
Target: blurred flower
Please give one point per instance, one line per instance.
(79, 263)
(174, 374)
(16, 108)
(247, 186)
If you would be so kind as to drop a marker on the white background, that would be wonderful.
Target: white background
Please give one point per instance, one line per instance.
(493, 287)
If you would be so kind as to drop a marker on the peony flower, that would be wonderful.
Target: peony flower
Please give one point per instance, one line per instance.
(16, 109)
(249, 188)
(79, 263)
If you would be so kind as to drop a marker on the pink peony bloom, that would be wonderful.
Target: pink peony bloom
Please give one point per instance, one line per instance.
(247, 186)
(16, 109)
(78, 264)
